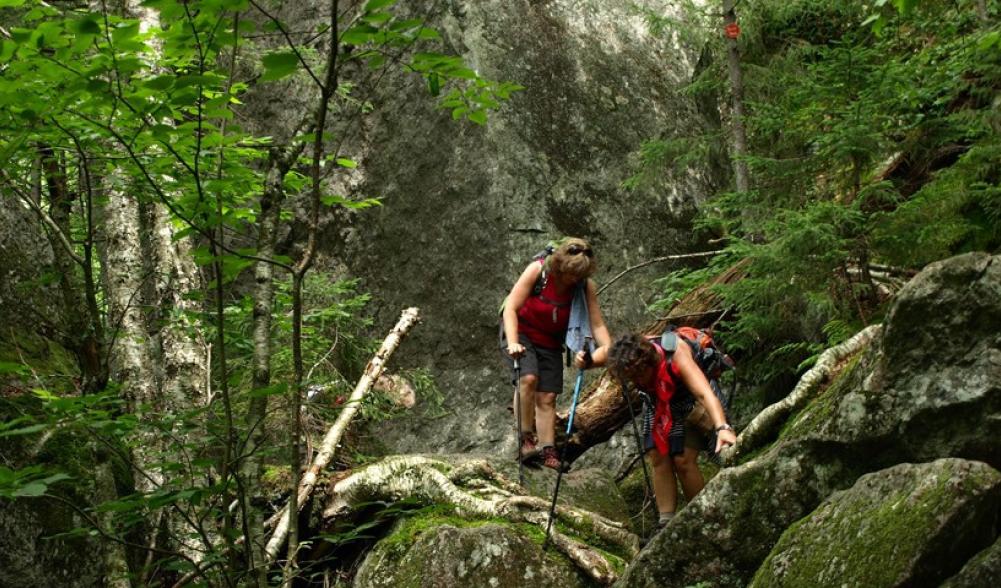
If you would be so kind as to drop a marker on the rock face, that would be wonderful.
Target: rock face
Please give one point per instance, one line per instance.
(982, 570)
(929, 388)
(909, 525)
(453, 557)
(467, 206)
(29, 558)
(25, 258)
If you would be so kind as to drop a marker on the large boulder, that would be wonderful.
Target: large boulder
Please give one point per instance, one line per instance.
(475, 203)
(929, 388)
(982, 570)
(908, 525)
(449, 556)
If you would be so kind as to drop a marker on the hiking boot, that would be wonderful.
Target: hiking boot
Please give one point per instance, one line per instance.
(529, 451)
(551, 459)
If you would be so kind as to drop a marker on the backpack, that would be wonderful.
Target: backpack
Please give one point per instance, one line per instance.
(540, 282)
(710, 359)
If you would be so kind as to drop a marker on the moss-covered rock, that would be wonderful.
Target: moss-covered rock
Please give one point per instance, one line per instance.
(982, 570)
(426, 553)
(909, 525)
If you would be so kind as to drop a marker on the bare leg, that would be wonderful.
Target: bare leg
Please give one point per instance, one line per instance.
(665, 489)
(545, 417)
(687, 467)
(527, 389)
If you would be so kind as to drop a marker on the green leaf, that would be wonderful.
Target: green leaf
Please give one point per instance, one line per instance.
(32, 489)
(377, 4)
(348, 163)
(85, 26)
(478, 116)
(377, 18)
(8, 151)
(7, 367)
(272, 390)
(358, 35)
(29, 430)
(426, 34)
(337, 200)
(125, 32)
(278, 65)
(159, 83)
(11, 3)
(989, 40)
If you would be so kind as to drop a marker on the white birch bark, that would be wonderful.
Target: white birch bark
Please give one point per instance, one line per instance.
(433, 481)
(174, 277)
(771, 418)
(332, 439)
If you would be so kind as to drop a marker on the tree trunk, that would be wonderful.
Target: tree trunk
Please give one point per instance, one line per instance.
(174, 278)
(251, 467)
(743, 176)
(84, 334)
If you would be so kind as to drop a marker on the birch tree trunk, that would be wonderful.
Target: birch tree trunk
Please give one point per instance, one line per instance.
(279, 164)
(173, 278)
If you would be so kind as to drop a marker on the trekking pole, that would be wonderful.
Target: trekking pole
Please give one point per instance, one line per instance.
(517, 409)
(639, 447)
(559, 473)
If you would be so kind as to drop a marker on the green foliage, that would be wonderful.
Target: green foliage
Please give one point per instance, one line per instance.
(152, 112)
(874, 138)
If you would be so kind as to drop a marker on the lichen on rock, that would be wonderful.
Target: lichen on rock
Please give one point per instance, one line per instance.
(908, 525)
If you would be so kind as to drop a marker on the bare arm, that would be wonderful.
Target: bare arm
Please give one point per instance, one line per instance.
(520, 292)
(696, 382)
(599, 330)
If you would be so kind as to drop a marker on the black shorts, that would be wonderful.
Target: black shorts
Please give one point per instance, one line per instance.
(546, 364)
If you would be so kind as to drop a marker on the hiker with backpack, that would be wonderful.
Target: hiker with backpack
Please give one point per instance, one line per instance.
(676, 386)
(553, 302)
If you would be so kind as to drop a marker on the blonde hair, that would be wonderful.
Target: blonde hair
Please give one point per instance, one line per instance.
(579, 266)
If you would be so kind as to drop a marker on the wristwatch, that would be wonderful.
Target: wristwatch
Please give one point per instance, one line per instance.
(724, 427)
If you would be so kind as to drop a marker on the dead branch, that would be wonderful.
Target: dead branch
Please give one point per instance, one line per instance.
(771, 418)
(432, 481)
(656, 260)
(330, 442)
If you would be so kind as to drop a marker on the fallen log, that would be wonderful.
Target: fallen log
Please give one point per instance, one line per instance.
(476, 490)
(766, 424)
(331, 440)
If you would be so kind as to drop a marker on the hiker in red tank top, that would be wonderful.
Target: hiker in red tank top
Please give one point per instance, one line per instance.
(534, 328)
(544, 318)
(637, 360)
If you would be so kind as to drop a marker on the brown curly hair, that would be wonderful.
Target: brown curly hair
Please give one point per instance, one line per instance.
(631, 352)
(579, 266)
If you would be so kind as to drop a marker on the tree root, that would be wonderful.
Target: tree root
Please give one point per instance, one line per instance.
(436, 482)
(764, 425)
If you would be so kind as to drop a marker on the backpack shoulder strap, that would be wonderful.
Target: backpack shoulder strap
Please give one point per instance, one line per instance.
(540, 282)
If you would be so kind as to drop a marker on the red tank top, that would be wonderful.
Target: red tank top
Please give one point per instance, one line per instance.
(544, 317)
(668, 375)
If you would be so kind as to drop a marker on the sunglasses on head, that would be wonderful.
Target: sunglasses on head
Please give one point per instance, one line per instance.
(577, 250)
